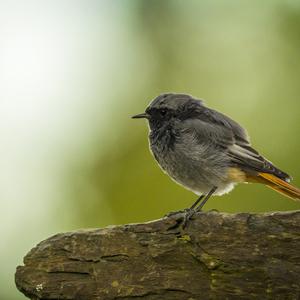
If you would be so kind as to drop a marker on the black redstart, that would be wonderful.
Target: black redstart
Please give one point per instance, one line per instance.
(206, 151)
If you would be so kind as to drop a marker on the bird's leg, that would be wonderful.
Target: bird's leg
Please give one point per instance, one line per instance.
(197, 201)
(199, 208)
(194, 208)
(189, 212)
(186, 210)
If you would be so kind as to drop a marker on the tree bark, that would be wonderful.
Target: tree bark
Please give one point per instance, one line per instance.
(216, 256)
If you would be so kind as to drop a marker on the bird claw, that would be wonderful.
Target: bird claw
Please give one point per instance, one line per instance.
(188, 215)
(184, 216)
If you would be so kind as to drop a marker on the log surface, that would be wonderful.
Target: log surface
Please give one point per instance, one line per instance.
(217, 256)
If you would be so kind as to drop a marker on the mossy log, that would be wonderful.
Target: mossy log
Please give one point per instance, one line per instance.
(216, 256)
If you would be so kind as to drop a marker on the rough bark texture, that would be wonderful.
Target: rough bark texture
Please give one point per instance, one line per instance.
(217, 256)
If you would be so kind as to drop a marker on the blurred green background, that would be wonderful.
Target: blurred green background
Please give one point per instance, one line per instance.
(73, 72)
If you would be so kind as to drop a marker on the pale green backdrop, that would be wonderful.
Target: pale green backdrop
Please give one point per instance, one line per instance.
(73, 72)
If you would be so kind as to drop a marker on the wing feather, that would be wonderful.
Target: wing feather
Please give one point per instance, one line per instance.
(225, 133)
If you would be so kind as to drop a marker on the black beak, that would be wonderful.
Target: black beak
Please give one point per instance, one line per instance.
(140, 116)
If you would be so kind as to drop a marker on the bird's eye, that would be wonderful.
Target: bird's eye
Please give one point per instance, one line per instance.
(163, 112)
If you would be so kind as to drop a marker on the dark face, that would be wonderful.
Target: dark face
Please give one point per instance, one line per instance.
(158, 117)
(169, 108)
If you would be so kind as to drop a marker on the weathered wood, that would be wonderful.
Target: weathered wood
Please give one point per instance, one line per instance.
(218, 256)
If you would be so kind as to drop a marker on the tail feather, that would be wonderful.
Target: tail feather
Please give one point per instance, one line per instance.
(280, 185)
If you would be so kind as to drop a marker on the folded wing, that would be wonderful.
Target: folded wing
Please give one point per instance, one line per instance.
(227, 134)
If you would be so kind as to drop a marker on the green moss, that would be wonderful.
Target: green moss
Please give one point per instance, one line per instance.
(185, 238)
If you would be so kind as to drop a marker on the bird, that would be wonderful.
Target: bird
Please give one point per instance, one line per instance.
(205, 151)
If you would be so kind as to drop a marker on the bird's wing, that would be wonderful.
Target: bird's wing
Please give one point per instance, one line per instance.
(223, 132)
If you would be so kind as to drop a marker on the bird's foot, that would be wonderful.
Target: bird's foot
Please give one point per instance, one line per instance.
(188, 215)
(184, 216)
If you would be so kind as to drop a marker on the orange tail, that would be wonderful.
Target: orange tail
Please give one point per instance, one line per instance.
(280, 186)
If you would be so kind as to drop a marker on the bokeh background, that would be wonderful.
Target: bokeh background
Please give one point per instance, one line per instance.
(73, 72)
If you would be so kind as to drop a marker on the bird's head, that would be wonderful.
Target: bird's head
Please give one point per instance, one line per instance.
(168, 108)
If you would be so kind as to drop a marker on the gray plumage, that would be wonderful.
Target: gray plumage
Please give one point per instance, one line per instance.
(197, 146)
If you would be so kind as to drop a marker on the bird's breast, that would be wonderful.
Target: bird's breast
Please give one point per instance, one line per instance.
(163, 139)
(196, 166)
